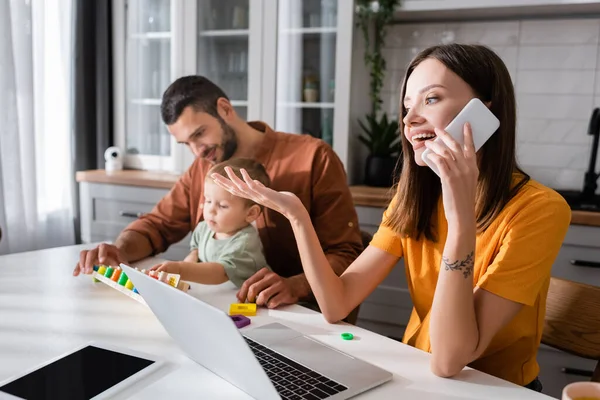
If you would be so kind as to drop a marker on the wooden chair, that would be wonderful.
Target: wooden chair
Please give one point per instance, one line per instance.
(353, 316)
(572, 322)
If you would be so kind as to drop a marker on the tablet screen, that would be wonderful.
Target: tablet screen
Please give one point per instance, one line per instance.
(77, 376)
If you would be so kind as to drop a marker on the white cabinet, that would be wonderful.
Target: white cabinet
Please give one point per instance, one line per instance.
(106, 209)
(286, 62)
(308, 49)
(558, 369)
(145, 53)
(444, 10)
(157, 41)
(579, 256)
(387, 309)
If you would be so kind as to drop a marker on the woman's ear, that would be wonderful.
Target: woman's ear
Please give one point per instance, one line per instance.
(488, 104)
(253, 213)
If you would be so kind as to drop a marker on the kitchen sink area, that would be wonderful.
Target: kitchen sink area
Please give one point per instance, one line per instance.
(587, 199)
(579, 202)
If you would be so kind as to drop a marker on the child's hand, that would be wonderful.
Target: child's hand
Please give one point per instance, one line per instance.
(172, 267)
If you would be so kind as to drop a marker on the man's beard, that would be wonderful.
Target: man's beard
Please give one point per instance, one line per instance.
(229, 143)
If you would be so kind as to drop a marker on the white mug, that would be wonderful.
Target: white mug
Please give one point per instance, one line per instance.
(581, 390)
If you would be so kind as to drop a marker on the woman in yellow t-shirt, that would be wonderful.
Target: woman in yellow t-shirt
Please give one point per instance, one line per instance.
(478, 243)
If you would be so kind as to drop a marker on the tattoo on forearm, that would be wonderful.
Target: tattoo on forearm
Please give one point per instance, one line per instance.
(465, 266)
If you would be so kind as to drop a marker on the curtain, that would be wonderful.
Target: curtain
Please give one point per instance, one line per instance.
(289, 69)
(93, 89)
(93, 83)
(36, 168)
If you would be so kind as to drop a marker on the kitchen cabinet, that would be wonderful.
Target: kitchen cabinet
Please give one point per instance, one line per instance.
(388, 308)
(287, 63)
(579, 256)
(158, 41)
(443, 10)
(106, 209)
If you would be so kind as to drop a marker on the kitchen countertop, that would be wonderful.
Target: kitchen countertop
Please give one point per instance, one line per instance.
(160, 180)
(365, 196)
(380, 197)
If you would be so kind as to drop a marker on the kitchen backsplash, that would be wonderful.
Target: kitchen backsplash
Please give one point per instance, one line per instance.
(555, 67)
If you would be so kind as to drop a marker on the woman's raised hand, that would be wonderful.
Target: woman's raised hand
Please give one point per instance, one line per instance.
(285, 203)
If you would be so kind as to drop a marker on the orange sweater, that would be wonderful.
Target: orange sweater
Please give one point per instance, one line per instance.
(299, 164)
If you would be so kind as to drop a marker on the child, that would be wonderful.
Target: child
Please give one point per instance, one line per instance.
(225, 245)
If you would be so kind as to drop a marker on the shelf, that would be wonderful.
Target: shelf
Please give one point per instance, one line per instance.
(310, 31)
(439, 10)
(151, 35)
(146, 102)
(225, 33)
(305, 105)
(239, 103)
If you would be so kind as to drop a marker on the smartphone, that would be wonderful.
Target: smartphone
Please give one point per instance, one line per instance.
(483, 125)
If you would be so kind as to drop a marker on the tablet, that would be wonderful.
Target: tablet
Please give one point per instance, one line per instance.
(94, 371)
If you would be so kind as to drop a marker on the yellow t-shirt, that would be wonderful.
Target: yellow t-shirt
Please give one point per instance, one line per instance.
(513, 259)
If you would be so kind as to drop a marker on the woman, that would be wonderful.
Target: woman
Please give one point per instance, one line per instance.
(478, 242)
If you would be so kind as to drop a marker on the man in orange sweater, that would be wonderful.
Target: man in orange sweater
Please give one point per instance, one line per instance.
(199, 114)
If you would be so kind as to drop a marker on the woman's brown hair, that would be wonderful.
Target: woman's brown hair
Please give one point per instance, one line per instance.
(418, 189)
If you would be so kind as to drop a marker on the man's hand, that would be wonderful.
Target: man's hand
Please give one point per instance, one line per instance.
(105, 254)
(266, 288)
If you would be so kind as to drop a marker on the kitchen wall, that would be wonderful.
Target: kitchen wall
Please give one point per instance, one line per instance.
(555, 66)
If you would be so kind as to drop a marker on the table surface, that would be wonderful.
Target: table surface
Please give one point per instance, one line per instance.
(46, 312)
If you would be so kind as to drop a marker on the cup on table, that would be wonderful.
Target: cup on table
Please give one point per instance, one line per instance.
(581, 391)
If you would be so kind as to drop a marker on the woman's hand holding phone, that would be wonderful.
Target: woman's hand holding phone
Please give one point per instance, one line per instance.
(452, 156)
(457, 166)
(483, 125)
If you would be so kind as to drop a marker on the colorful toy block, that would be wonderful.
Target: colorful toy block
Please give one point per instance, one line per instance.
(247, 309)
(118, 280)
(240, 321)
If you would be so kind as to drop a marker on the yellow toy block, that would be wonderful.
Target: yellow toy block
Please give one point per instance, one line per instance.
(103, 274)
(247, 309)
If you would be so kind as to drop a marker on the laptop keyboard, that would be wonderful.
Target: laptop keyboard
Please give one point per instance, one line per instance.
(292, 380)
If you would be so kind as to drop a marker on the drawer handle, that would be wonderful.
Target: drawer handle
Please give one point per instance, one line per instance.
(130, 214)
(577, 371)
(584, 263)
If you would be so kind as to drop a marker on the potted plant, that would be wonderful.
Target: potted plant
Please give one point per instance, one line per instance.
(381, 134)
(382, 139)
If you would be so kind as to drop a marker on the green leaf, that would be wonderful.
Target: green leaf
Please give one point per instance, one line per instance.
(380, 135)
(364, 128)
(368, 18)
(366, 142)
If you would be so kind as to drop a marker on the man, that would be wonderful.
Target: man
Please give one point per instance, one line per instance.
(199, 114)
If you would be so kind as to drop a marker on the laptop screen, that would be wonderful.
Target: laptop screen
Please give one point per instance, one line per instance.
(77, 376)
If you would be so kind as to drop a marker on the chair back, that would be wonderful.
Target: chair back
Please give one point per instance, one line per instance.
(572, 322)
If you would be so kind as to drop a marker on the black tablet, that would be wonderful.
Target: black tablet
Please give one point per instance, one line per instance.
(94, 371)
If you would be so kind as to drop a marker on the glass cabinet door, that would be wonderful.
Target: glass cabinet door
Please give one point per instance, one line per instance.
(147, 75)
(306, 53)
(223, 47)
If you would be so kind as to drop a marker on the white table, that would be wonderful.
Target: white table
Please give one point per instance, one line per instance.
(45, 312)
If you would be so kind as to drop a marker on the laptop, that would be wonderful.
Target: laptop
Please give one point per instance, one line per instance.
(272, 361)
